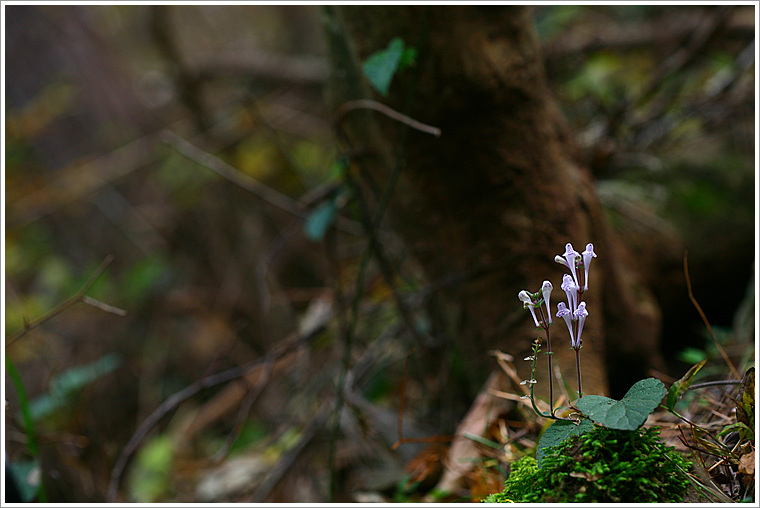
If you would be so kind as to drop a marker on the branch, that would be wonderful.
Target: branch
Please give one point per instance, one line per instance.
(79, 296)
(704, 318)
(349, 106)
(229, 173)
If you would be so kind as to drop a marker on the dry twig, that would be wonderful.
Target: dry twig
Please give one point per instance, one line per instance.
(79, 296)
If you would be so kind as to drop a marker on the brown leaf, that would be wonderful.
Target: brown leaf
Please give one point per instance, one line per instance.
(747, 463)
(426, 467)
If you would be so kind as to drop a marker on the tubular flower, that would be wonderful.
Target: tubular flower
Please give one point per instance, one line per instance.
(588, 255)
(580, 314)
(564, 313)
(525, 297)
(546, 290)
(571, 255)
(571, 289)
(561, 260)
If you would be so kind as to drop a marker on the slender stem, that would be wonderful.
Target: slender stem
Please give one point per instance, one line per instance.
(704, 318)
(551, 371)
(544, 320)
(536, 350)
(715, 383)
(578, 370)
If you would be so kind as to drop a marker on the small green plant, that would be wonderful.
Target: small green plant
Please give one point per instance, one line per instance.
(602, 465)
(598, 453)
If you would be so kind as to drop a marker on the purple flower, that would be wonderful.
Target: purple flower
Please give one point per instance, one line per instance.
(546, 290)
(580, 314)
(528, 303)
(564, 313)
(588, 255)
(571, 289)
(571, 255)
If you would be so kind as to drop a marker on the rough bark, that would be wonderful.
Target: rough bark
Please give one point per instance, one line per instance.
(498, 195)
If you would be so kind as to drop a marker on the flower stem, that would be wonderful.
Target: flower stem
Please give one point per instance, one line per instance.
(578, 369)
(551, 371)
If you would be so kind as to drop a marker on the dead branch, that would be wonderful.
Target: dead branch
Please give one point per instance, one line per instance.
(79, 296)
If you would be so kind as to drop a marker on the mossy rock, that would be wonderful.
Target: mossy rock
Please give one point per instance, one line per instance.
(603, 465)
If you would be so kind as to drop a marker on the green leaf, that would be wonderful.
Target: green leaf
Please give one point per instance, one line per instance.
(382, 65)
(629, 413)
(735, 427)
(557, 432)
(320, 219)
(482, 440)
(745, 406)
(679, 387)
(70, 382)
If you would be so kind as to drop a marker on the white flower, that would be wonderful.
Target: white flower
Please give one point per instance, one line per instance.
(571, 255)
(571, 289)
(561, 260)
(563, 312)
(546, 290)
(580, 314)
(588, 255)
(528, 303)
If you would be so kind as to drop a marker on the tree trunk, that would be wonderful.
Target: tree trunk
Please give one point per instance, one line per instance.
(499, 193)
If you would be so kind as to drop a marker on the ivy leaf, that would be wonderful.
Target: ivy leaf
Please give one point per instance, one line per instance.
(383, 65)
(679, 387)
(557, 432)
(629, 413)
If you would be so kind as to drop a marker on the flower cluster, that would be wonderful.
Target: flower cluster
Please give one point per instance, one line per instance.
(533, 301)
(574, 285)
(573, 312)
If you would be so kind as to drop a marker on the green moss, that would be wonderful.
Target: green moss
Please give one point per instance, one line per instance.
(603, 465)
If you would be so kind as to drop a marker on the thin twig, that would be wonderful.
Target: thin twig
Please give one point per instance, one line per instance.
(264, 192)
(103, 306)
(77, 297)
(221, 168)
(349, 106)
(715, 383)
(704, 318)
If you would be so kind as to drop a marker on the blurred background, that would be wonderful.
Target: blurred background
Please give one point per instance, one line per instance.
(192, 149)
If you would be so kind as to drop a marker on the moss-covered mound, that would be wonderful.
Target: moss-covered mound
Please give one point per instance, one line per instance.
(603, 465)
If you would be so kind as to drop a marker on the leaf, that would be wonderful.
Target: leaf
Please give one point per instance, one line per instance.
(558, 432)
(679, 387)
(735, 427)
(70, 382)
(627, 414)
(320, 219)
(382, 65)
(745, 407)
(482, 440)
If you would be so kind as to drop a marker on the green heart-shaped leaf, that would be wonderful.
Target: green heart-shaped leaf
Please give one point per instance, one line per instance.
(558, 432)
(629, 413)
